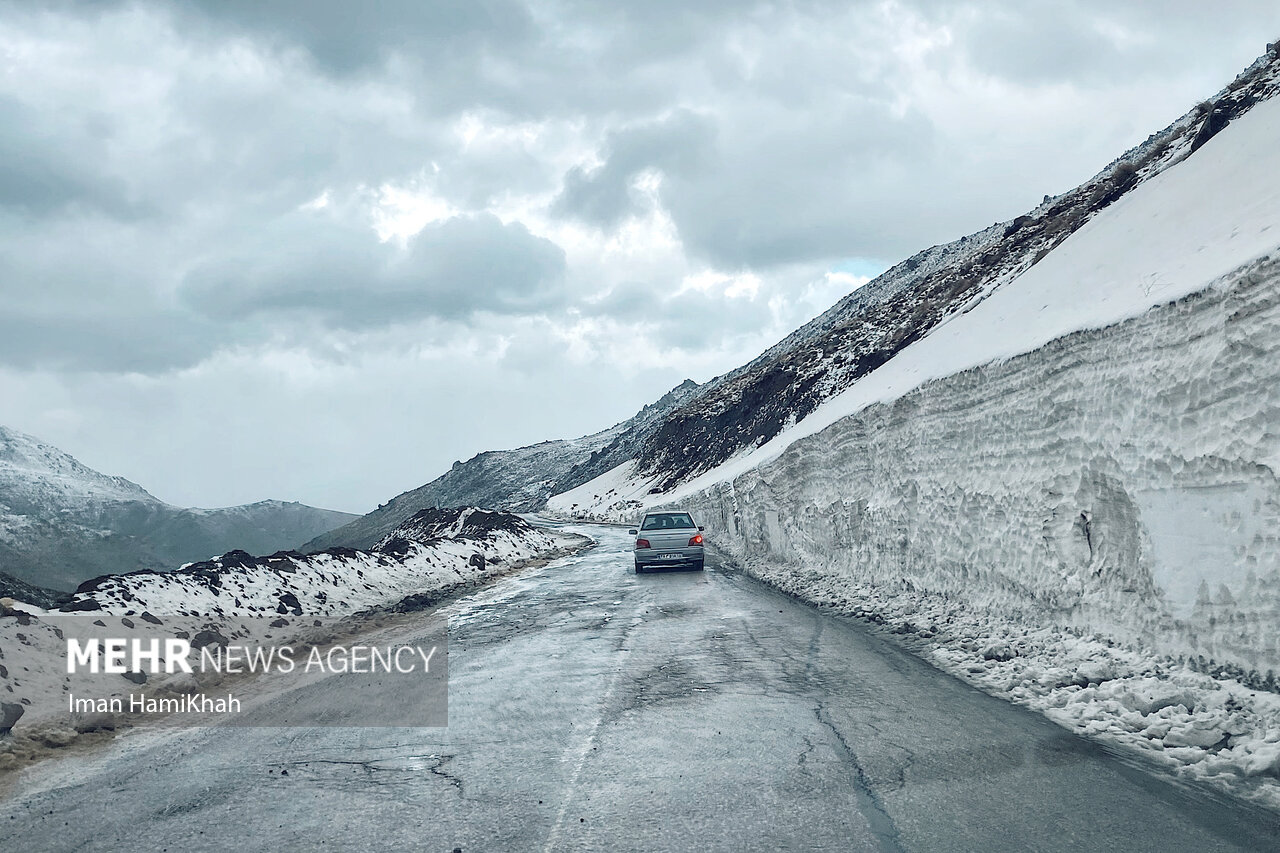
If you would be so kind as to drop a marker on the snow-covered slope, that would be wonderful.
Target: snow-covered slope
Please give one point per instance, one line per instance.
(1190, 204)
(1124, 477)
(11, 587)
(61, 522)
(1080, 528)
(241, 599)
(37, 475)
(518, 480)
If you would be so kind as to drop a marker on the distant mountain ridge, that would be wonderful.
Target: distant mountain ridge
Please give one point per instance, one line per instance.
(61, 522)
(519, 480)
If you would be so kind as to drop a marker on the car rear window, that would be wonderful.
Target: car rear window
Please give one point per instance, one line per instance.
(667, 521)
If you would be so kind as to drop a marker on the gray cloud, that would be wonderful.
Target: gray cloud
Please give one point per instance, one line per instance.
(1098, 43)
(44, 169)
(345, 37)
(132, 341)
(339, 271)
(832, 194)
(1058, 42)
(679, 145)
(687, 320)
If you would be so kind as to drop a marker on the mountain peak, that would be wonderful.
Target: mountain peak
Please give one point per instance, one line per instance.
(29, 465)
(62, 522)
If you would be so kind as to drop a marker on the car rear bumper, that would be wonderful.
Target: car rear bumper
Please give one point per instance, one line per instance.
(654, 557)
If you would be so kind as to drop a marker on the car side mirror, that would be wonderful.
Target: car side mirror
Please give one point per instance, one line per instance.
(700, 527)
(633, 532)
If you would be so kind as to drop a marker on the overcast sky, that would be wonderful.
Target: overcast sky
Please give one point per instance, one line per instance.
(318, 250)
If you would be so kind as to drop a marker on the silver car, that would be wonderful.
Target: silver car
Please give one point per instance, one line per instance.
(668, 539)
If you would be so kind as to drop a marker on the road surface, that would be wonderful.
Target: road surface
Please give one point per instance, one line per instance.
(593, 709)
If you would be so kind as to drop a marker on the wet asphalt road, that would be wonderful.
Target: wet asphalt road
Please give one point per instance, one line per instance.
(591, 709)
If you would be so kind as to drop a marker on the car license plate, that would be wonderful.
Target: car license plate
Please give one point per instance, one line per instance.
(672, 557)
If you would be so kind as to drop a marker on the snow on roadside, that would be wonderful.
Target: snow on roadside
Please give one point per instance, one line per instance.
(616, 495)
(1205, 725)
(1089, 530)
(243, 600)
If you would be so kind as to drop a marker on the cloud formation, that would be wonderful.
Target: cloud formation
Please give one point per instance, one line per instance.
(208, 202)
(342, 273)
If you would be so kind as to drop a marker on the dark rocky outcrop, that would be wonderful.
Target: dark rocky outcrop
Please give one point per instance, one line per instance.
(49, 599)
(10, 713)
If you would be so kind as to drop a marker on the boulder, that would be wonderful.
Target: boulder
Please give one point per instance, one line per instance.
(289, 604)
(208, 638)
(10, 713)
(999, 651)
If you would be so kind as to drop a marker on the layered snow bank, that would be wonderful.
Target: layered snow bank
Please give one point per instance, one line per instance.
(242, 599)
(1203, 725)
(1118, 484)
(1170, 236)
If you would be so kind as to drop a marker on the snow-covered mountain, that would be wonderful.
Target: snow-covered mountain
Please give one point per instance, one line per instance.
(62, 522)
(749, 407)
(518, 480)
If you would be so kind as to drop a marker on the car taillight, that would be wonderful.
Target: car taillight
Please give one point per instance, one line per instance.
(697, 540)
(642, 543)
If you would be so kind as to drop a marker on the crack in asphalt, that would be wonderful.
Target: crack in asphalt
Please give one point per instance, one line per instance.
(369, 765)
(396, 764)
(437, 769)
(880, 823)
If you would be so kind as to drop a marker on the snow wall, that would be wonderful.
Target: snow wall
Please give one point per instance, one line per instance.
(1121, 481)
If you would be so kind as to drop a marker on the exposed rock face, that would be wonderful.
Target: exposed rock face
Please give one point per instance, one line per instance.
(429, 525)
